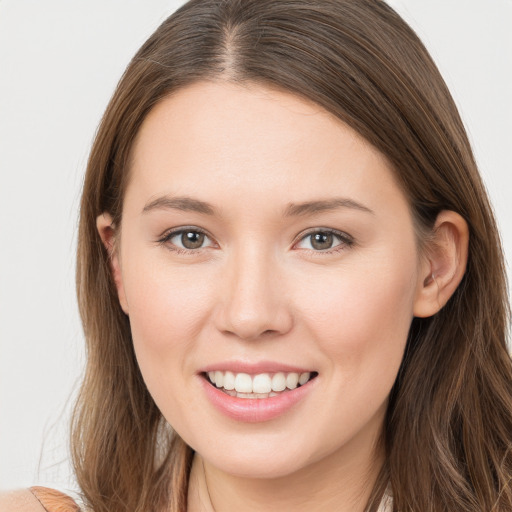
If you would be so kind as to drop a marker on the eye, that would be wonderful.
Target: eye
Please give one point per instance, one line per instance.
(325, 240)
(186, 239)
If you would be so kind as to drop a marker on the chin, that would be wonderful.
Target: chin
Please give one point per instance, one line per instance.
(274, 456)
(258, 466)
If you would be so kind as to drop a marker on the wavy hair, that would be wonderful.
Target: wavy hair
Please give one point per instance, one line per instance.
(448, 428)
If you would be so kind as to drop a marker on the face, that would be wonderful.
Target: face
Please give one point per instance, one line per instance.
(264, 242)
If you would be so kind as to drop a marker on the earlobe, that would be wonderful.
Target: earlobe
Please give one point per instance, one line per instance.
(444, 264)
(106, 230)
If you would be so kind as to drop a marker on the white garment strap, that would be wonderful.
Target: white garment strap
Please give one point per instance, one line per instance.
(386, 505)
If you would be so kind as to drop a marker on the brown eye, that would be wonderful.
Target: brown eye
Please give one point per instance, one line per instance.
(192, 239)
(326, 241)
(183, 240)
(321, 241)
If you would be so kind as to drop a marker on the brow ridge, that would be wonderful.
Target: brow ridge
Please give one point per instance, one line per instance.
(311, 207)
(185, 203)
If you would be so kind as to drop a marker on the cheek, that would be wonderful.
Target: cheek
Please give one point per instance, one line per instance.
(167, 313)
(362, 320)
(167, 310)
(165, 304)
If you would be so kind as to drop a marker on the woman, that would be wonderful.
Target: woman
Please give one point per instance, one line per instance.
(286, 253)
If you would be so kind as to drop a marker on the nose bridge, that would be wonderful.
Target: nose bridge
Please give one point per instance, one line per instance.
(254, 303)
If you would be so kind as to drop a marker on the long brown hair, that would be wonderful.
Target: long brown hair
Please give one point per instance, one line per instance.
(449, 424)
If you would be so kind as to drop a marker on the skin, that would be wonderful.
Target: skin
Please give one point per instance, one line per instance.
(259, 290)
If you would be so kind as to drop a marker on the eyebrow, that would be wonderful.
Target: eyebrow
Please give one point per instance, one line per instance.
(189, 204)
(311, 207)
(186, 204)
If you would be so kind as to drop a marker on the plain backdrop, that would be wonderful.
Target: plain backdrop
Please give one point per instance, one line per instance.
(59, 63)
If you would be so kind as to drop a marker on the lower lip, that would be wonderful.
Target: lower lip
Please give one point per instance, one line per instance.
(254, 410)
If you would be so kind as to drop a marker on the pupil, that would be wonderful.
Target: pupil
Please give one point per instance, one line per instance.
(322, 241)
(192, 239)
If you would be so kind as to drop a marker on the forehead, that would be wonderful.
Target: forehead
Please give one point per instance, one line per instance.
(220, 138)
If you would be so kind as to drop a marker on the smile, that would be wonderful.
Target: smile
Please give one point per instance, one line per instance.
(273, 392)
(260, 386)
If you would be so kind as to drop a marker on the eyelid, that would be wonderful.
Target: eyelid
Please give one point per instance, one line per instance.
(346, 240)
(167, 235)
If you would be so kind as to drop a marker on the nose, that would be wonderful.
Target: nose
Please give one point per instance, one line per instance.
(253, 302)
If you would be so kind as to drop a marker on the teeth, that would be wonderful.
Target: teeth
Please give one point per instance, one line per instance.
(278, 382)
(219, 379)
(292, 379)
(255, 395)
(246, 395)
(262, 385)
(243, 383)
(304, 377)
(229, 381)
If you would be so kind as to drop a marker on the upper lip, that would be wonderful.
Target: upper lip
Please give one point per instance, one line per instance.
(253, 368)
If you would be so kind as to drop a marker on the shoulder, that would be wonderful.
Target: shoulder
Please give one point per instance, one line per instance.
(54, 501)
(36, 499)
(21, 500)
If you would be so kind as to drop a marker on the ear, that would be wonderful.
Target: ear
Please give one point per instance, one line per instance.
(106, 229)
(444, 264)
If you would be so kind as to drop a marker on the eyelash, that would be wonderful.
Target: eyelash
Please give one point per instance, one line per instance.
(346, 241)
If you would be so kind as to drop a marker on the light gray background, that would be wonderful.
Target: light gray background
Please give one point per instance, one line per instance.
(59, 63)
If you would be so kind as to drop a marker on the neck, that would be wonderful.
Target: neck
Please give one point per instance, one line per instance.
(341, 482)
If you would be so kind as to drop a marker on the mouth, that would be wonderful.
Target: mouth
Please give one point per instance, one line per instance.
(258, 386)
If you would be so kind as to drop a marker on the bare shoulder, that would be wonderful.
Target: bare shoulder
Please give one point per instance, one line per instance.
(37, 499)
(21, 500)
